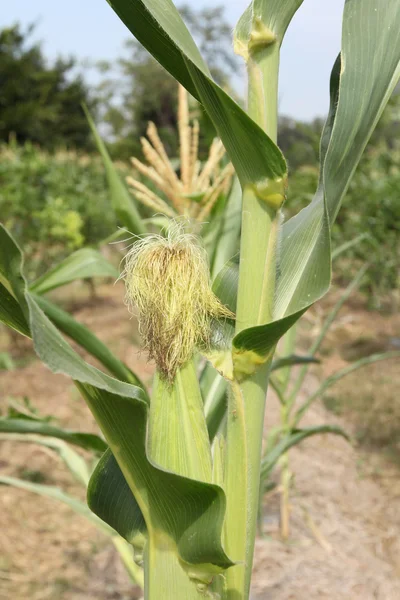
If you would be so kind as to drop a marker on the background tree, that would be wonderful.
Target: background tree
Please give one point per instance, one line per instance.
(40, 102)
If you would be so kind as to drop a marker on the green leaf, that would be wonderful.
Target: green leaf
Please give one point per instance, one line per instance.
(332, 379)
(159, 28)
(292, 360)
(177, 507)
(369, 73)
(11, 313)
(57, 494)
(227, 245)
(121, 201)
(87, 340)
(214, 392)
(111, 499)
(83, 263)
(174, 507)
(23, 425)
(11, 283)
(361, 84)
(270, 459)
(225, 285)
(75, 463)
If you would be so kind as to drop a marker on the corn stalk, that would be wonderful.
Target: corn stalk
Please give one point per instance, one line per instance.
(162, 484)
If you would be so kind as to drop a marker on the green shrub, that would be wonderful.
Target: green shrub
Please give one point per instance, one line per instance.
(53, 203)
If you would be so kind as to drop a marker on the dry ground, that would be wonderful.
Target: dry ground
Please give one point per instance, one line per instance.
(345, 519)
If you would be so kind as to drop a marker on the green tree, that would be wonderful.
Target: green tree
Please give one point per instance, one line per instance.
(40, 102)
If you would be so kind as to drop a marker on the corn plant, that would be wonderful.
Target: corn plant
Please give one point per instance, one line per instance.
(188, 497)
(287, 385)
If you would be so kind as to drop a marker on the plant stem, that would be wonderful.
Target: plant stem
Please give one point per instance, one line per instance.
(164, 576)
(260, 225)
(236, 463)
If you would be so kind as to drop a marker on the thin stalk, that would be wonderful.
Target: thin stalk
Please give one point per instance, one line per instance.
(236, 491)
(260, 224)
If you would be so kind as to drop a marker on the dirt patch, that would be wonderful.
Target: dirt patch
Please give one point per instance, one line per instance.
(345, 521)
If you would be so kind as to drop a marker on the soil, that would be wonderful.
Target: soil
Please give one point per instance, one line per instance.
(344, 539)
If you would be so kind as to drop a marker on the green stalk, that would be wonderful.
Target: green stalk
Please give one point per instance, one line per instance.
(260, 228)
(164, 577)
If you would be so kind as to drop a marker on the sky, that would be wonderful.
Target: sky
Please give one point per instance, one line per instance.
(89, 29)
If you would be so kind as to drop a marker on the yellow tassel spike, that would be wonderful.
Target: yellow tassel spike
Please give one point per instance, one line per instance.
(148, 197)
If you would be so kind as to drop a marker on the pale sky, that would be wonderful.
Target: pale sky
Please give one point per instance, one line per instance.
(89, 29)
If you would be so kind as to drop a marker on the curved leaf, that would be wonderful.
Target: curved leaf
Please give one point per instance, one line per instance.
(88, 441)
(55, 492)
(75, 463)
(87, 340)
(297, 435)
(111, 499)
(83, 263)
(11, 313)
(361, 84)
(159, 28)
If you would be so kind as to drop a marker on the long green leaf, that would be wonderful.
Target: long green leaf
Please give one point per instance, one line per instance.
(75, 463)
(272, 456)
(329, 381)
(361, 84)
(111, 499)
(369, 72)
(23, 425)
(11, 313)
(83, 263)
(121, 201)
(229, 233)
(87, 340)
(57, 494)
(159, 27)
